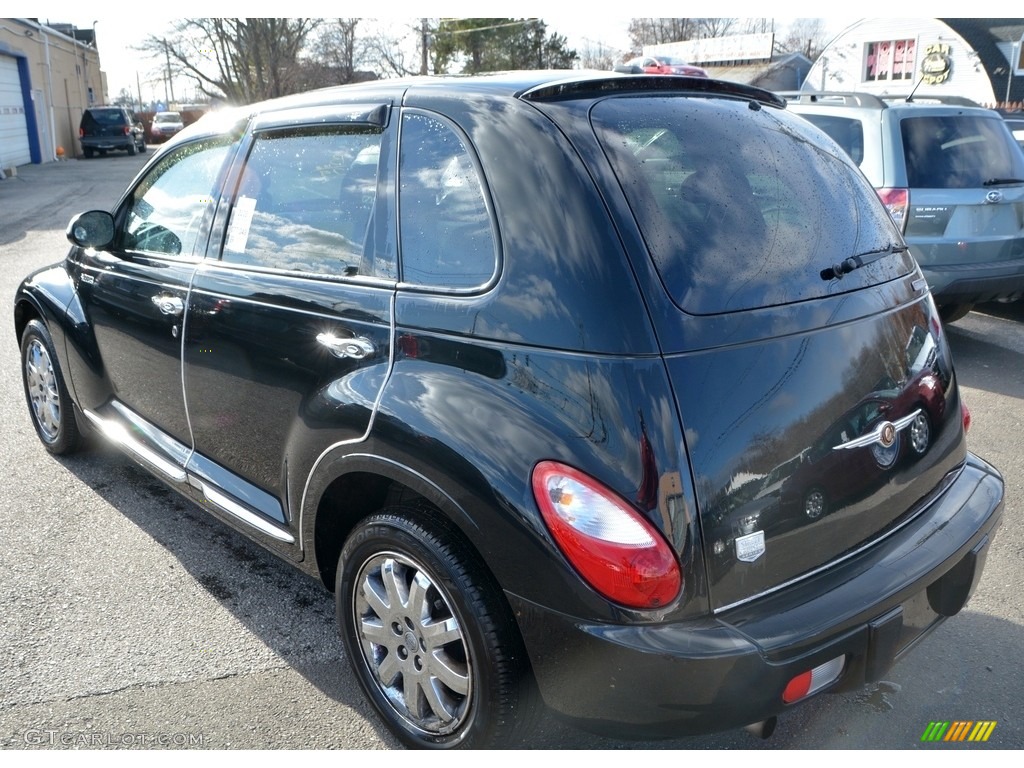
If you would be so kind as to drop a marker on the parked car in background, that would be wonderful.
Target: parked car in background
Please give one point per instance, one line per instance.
(952, 178)
(103, 129)
(165, 125)
(1015, 122)
(660, 65)
(517, 366)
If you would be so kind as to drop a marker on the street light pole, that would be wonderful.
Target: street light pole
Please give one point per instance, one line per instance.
(1014, 58)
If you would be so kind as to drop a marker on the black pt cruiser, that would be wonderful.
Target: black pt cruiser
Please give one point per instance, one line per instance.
(551, 378)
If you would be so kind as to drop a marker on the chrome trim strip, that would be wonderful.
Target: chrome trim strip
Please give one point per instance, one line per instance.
(117, 434)
(948, 480)
(249, 518)
(876, 435)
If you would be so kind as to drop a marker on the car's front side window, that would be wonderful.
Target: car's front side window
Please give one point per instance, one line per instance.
(167, 209)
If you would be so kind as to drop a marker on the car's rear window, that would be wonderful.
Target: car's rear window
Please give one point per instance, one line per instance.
(743, 208)
(107, 116)
(958, 151)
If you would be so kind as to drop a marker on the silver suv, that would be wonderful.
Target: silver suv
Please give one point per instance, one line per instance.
(952, 177)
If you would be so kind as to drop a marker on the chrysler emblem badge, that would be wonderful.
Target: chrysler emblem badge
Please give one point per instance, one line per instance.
(994, 196)
(887, 435)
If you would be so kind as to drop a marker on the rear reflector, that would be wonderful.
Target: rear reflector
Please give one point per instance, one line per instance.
(813, 680)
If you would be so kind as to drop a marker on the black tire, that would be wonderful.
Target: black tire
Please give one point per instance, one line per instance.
(950, 313)
(421, 577)
(132, 148)
(49, 403)
(87, 151)
(142, 148)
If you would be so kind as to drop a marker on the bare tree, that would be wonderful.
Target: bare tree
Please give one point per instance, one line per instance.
(385, 52)
(672, 30)
(598, 56)
(336, 48)
(656, 31)
(336, 56)
(716, 27)
(805, 35)
(241, 60)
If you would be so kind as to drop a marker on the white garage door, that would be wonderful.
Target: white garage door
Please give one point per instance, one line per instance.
(13, 128)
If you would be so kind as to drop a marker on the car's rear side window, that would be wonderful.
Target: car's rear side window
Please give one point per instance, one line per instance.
(847, 132)
(447, 239)
(742, 207)
(958, 151)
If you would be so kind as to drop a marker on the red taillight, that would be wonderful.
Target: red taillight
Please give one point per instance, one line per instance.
(813, 680)
(896, 202)
(966, 415)
(127, 130)
(616, 551)
(81, 132)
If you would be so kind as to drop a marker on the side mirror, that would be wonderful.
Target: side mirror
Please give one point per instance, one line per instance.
(92, 229)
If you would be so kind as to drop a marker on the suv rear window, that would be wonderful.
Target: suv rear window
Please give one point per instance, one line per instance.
(106, 116)
(957, 151)
(742, 209)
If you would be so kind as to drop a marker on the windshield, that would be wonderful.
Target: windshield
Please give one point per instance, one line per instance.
(743, 208)
(161, 118)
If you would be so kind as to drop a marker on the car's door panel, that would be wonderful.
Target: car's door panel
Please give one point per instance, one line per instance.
(132, 296)
(265, 392)
(288, 334)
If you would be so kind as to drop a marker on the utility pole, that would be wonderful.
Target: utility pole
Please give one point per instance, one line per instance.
(169, 82)
(424, 42)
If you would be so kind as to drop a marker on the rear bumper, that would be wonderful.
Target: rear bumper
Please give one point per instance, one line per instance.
(108, 142)
(975, 283)
(663, 680)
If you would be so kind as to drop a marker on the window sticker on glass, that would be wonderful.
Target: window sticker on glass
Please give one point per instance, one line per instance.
(241, 220)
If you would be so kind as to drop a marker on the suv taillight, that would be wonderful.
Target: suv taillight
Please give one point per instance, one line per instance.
(81, 132)
(615, 549)
(127, 130)
(896, 201)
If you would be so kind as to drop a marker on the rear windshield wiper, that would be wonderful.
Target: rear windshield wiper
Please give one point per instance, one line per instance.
(847, 265)
(996, 182)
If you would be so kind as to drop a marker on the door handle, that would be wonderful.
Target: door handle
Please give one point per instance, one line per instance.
(355, 348)
(169, 305)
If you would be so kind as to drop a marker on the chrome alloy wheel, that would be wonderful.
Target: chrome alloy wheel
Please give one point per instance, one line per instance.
(412, 643)
(43, 391)
(814, 504)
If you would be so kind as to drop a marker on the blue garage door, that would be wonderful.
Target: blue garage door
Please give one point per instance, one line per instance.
(14, 148)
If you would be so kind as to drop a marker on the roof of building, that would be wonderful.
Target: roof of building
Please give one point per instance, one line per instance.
(984, 36)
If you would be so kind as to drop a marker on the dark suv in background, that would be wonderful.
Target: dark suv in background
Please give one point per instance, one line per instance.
(952, 177)
(540, 373)
(108, 128)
